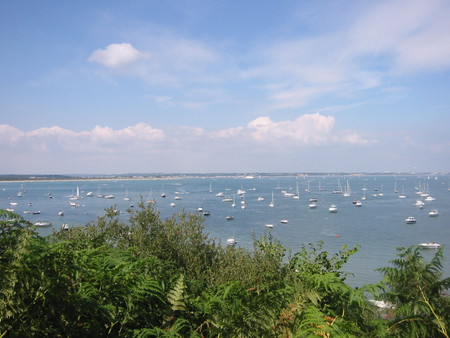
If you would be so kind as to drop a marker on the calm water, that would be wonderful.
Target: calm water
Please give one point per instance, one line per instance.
(377, 226)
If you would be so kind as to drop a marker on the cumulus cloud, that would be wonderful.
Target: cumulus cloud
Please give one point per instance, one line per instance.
(309, 129)
(100, 139)
(117, 55)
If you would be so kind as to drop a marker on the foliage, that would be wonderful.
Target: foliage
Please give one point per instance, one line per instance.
(416, 291)
(149, 277)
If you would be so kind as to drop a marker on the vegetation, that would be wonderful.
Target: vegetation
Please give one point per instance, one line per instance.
(150, 277)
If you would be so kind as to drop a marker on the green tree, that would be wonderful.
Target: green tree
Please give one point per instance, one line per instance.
(415, 289)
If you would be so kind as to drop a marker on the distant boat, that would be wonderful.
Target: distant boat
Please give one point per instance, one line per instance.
(43, 224)
(109, 197)
(433, 213)
(126, 198)
(410, 220)
(231, 241)
(270, 226)
(64, 226)
(90, 194)
(61, 213)
(230, 218)
(347, 191)
(429, 245)
(272, 202)
(312, 205)
(333, 208)
(220, 194)
(358, 203)
(284, 221)
(77, 196)
(260, 198)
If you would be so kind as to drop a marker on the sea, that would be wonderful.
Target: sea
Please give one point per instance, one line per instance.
(377, 226)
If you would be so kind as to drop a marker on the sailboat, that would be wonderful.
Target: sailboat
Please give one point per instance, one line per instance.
(272, 203)
(126, 198)
(347, 191)
(297, 192)
(77, 196)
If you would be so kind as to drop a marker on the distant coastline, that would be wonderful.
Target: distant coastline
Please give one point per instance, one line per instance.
(160, 176)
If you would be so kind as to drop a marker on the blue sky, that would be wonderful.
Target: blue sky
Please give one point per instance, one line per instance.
(224, 86)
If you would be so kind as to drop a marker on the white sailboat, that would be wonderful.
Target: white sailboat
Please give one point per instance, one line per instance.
(272, 203)
(347, 191)
(126, 198)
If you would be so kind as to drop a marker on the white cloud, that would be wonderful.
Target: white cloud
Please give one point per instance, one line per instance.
(306, 130)
(117, 55)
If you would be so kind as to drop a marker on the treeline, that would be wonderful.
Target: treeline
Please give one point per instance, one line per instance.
(149, 277)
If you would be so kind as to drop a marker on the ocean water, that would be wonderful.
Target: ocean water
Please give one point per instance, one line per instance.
(378, 226)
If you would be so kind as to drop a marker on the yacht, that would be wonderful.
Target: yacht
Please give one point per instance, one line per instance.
(312, 205)
(433, 213)
(332, 208)
(231, 241)
(429, 245)
(410, 220)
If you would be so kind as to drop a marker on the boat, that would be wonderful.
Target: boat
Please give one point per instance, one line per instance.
(312, 205)
(347, 191)
(419, 204)
(200, 209)
(43, 224)
(284, 221)
(429, 198)
(172, 204)
(313, 199)
(231, 241)
(332, 208)
(429, 245)
(64, 226)
(358, 203)
(178, 197)
(227, 199)
(260, 198)
(272, 202)
(126, 198)
(90, 194)
(220, 194)
(61, 213)
(410, 220)
(77, 196)
(73, 204)
(206, 213)
(270, 226)
(37, 212)
(433, 213)
(109, 196)
(230, 218)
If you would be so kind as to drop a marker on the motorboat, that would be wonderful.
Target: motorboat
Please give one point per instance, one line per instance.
(61, 213)
(429, 245)
(358, 203)
(230, 218)
(284, 221)
(220, 194)
(332, 208)
(433, 213)
(206, 213)
(90, 194)
(231, 241)
(312, 205)
(270, 226)
(410, 220)
(43, 224)
(109, 197)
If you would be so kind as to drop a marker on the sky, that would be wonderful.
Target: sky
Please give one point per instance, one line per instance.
(217, 86)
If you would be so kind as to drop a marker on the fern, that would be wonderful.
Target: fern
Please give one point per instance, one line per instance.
(176, 296)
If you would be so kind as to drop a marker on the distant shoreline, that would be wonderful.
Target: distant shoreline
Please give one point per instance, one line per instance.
(170, 176)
